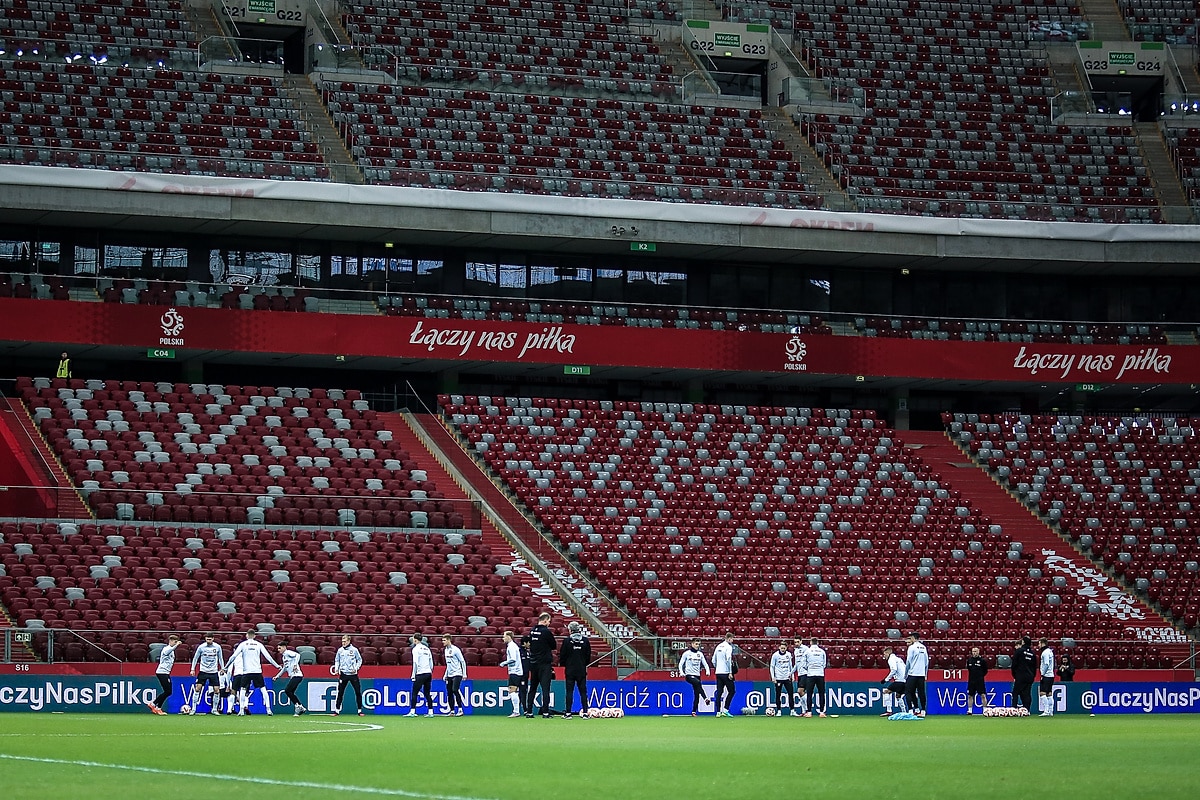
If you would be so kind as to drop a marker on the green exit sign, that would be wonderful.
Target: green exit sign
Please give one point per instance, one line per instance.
(577, 370)
(158, 352)
(643, 247)
(1088, 387)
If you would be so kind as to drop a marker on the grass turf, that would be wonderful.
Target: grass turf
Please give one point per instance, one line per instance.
(515, 759)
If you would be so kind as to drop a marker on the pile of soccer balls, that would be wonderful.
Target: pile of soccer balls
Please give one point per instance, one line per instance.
(997, 711)
(606, 713)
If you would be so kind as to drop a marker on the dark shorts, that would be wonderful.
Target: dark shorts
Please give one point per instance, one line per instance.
(895, 687)
(1046, 686)
(515, 681)
(976, 687)
(208, 679)
(253, 679)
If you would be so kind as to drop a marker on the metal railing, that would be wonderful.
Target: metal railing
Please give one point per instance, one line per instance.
(50, 645)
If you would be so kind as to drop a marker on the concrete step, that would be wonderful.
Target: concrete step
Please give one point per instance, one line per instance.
(1162, 172)
(341, 164)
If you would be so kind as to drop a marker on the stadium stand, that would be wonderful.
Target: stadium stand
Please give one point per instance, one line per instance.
(768, 520)
(989, 141)
(122, 581)
(1121, 487)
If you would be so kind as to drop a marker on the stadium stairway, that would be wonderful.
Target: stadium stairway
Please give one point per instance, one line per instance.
(982, 491)
(438, 444)
(63, 500)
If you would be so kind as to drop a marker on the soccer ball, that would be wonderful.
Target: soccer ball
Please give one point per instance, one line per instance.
(185, 710)
(770, 712)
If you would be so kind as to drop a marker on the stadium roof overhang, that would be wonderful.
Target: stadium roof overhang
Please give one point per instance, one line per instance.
(51, 198)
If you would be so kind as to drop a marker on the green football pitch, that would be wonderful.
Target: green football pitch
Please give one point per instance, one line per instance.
(131, 756)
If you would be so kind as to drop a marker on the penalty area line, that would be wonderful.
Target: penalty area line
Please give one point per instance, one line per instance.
(332, 787)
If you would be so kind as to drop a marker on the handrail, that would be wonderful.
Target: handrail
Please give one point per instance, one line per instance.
(46, 469)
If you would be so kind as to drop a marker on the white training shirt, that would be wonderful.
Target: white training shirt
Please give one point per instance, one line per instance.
(896, 671)
(723, 659)
(247, 658)
(800, 658)
(917, 662)
(512, 659)
(816, 662)
(691, 662)
(210, 657)
(166, 659)
(456, 664)
(291, 664)
(1047, 663)
(781, 666)
(422, 660)
(347, 661)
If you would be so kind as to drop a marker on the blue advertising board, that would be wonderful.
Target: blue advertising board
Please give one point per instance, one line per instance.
(636, 698)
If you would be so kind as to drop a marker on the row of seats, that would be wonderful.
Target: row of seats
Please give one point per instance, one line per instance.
(699, 518)
(601, 314)
(947, 329)
(38, 287)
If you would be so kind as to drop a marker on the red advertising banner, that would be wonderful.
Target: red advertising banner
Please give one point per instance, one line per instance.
(202, 329)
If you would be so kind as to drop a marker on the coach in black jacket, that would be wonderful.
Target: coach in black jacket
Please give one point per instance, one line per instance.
(541, 664)
(574, 657)
(1024, 672)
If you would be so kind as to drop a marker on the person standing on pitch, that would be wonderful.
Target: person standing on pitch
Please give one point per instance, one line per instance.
(800, 659)
(291, 665)
(456, 673)
(166, 663)
(516, 672)
(977, 670)
(782, 669)
(1046, 672)
(211, 660)
(541, 665)
(249, 655)
(347, 661)
(815, 665)
(690, 664)
(726, 668)
(916, 668)
(422, 675)
(523, 649)
(1024, 672)
(574, 657)
(893, 682)
(1066, 668)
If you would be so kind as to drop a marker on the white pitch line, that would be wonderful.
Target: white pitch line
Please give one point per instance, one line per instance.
(349, 727)
(332, 787)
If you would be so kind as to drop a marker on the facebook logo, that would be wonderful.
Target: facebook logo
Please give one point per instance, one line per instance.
(322, 695)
